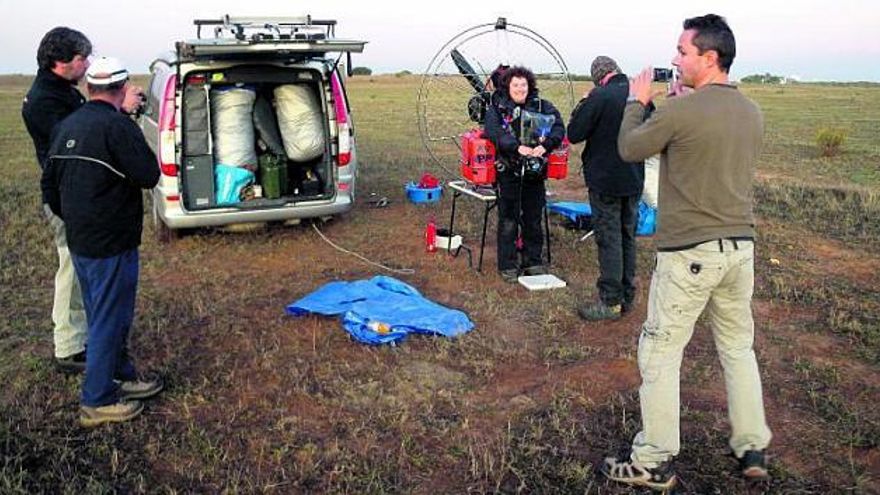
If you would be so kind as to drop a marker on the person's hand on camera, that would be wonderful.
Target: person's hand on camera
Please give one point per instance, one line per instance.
(640, 86)
(676, 88)
(538, 151)
(134, 98)
(524, 150)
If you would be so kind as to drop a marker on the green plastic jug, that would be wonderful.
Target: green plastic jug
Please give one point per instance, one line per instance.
(273, 175)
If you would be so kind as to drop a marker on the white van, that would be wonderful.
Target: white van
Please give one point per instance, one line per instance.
(251, 123)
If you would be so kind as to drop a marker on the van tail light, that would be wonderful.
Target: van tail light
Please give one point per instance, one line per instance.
(343, 125)
(344, 156)
(167, 155)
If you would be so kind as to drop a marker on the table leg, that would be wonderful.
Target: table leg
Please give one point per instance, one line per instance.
(547, 230)
(455, 196)
(489, 207)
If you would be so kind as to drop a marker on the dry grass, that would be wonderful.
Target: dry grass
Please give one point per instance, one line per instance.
(529, 402)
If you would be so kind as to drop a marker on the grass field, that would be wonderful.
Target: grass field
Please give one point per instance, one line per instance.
(529, 402)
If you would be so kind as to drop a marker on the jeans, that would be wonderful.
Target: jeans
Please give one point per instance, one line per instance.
(614, 224)
(109, 287)
(520, 208)
(68, 314)
(717, 276)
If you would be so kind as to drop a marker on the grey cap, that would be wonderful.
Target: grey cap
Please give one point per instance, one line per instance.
(601, 67)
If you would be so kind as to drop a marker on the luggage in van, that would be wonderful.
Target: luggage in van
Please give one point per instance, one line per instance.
(232, 126)
(198, 169)
(273, 175)
(299, 119)
(197, 132)
(198, 177)
(266, 125)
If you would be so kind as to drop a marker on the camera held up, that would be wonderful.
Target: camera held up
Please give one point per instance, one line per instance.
(663, 74)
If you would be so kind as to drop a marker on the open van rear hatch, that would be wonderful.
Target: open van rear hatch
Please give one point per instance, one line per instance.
(252, 36)
(262, 121)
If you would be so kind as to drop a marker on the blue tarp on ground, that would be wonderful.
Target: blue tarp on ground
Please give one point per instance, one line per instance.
(382, 310)
(573, 210)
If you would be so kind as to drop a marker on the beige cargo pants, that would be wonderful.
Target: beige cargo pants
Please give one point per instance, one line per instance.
(68, 312)
(717, 276)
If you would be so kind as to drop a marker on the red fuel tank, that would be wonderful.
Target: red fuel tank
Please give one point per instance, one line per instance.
(477, 158)
(557, 162)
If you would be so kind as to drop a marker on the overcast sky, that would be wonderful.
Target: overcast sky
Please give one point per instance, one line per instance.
(815, 40)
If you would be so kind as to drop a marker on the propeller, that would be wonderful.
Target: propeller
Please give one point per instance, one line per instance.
(464, 67)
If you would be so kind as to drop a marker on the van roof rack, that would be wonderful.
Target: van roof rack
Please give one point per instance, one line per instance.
(268, 28)
(234, 36)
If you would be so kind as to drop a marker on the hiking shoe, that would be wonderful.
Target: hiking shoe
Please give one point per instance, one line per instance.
(753, 465)
(140, 388)
(111, 413)
(510, 275)
(535, 270)
(72, 365)
(625, 470)
(600, 311)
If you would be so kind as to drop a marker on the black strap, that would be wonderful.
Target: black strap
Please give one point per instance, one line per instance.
(720, 244)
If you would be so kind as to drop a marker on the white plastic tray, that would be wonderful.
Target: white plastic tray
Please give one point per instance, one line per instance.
(541, 282)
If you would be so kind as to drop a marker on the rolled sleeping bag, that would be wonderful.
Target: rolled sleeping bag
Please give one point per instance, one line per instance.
(232, 126)
(300, 121)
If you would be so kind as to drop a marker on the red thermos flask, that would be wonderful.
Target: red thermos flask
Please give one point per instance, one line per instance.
(431, 236)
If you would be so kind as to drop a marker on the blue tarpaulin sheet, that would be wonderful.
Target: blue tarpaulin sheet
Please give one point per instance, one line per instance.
(382, 310)
(571, 209)
(574, 209)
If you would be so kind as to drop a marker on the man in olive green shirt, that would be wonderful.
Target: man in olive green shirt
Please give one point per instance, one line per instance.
(709, 142)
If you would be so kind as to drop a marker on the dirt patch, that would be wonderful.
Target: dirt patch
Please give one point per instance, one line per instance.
(834, 259)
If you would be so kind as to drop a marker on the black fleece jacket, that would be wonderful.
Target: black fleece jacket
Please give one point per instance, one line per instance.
(596, 121)
(50, 100)
(97, 165)
(503, 124)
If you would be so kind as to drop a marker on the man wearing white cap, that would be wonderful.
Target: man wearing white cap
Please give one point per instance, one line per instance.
(97, 164)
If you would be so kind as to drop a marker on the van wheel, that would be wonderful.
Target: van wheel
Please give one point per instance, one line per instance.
(164, 235)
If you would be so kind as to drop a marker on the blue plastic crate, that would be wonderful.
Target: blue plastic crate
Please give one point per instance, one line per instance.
(417, 194)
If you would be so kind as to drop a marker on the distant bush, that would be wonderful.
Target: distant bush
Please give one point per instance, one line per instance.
(556, 76)
(361, 71)
(765, 78)
(403, 73)
(830, 140)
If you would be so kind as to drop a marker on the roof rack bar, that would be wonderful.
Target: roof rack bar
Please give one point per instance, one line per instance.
(238, 24)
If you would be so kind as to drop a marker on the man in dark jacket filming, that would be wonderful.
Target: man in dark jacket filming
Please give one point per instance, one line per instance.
(615, 187)
(97, 164)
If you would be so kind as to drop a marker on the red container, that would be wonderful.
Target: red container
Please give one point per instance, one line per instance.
(477, 158)
(557, 162)
(431, 236)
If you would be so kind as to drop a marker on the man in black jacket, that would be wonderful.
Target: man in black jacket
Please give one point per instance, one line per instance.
(614, 186)
(97, 165)
(63, 60)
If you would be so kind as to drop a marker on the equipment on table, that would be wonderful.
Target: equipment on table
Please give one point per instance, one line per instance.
(477, 162)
